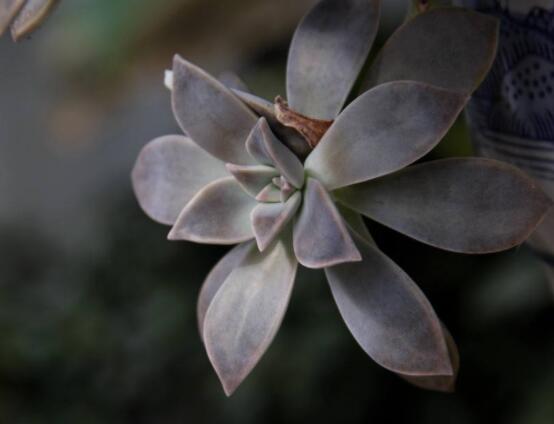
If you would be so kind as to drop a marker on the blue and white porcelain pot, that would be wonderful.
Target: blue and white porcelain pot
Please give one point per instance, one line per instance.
(512, 114)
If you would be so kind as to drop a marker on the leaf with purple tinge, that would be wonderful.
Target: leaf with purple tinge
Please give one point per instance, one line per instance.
(8, 11)
(440, 383)
(448, 47)
(320, 236)
(218, 214)
(467, 205)
(268, 149)
(327, 53)
(169, 171)
(385, 129)
(30, 17)
(210, 113)
(269, 219)
(289, 136)
(269, 194)
(247, 311)
(252, 178)
(388, 315)
(217, 277)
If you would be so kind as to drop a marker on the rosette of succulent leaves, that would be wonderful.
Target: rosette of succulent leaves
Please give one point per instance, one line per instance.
(289, 181)
(23, 16)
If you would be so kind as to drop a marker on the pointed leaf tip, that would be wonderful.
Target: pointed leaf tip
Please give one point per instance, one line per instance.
(210, 113)
(168, 173)
(218, 214)
(247, 311)
(327, 53)
(321, 238)
(388, 315)
(466, 205)
(382, 131)
(268, 150)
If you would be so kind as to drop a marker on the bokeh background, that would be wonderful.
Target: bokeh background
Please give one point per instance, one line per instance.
(97, 309)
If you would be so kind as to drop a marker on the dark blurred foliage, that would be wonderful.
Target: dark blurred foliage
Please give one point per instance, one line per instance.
(97, 309)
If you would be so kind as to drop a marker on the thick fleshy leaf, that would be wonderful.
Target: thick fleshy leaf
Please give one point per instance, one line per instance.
(8, 10)
(269, 219)
(31, 16)
(270, 194)
(388, 315)
(327, 53)
(268, 149)
(382, 131)
(446, 47)
(210, 113)
(218, 214)
(469, 205)
(233, 81)
(252, 178)
(247, 311)
(169, 171)
(321, 238)
(440, 383)
(355, 223)
(289, 136)
(217, 277)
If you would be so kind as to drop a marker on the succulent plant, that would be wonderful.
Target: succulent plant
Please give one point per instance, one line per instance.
(239, 176)
(24, 15)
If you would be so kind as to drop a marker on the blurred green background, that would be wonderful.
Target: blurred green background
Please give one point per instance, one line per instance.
(97, 309)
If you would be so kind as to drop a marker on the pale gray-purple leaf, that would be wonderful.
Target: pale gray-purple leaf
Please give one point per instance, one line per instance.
(440, 383)
(31, 16)
(355, 223)
(252, 178)
(269, 219)
(327, 53)
(388, 315)
(217, 277)
(210, 113)
(382, 131)
(289, 136)
(321, 238)
(247, 310)
(268, 150)
(469, 205)
(168, 172)
(231, 80)
(8, 10)
(447, 47)
(218, 214)
(269, 194)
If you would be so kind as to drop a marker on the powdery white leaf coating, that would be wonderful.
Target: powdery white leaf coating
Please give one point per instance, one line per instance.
(218, 214)
(168, 172)
(382, 131)
(289, 136)
(467, 205)
(269, 219)
(210, 113)
(31, 16)
(388, 315)
(451, 48)
(269, 194)
(321, 238)
(247, 311)
(252, 178)
(440, 383)
(217, 277)
(268, 149)
(8, 10)
(327, 53)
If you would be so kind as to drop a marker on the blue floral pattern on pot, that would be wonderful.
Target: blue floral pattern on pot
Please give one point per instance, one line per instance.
(512, 113)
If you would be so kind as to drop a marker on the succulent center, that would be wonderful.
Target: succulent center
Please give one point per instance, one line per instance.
(311, 129)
